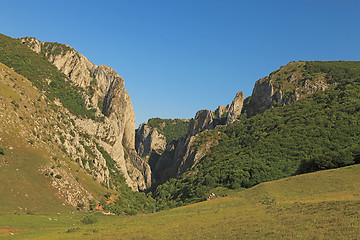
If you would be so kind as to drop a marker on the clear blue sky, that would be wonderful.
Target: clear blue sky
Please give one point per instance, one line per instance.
(180, 56)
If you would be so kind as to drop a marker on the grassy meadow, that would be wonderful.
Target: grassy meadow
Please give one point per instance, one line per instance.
(320, 205)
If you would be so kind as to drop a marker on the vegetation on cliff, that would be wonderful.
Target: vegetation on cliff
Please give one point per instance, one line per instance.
(42, 143)
(315, 133)
(43, 75)
(172, 129)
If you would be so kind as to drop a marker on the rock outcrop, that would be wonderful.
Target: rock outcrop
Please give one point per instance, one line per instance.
(285, 86)
(235, 108)
(204, 119)
(182, 155)
(104, 91)
(261, 97)
(191, 148)
(149, 139)
(222, 111)
(282, 87)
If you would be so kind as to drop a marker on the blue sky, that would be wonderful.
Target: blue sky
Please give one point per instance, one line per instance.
(180, 56)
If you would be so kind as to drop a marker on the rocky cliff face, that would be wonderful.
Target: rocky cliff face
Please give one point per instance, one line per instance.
(103, 90)
(261, 98)
(222, 111)
(181, 155)
(149, 139)
(185, 153)
(204, 119)
(235, 108)
(284, 86)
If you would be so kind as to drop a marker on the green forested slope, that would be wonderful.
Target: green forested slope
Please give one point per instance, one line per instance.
(315, 133)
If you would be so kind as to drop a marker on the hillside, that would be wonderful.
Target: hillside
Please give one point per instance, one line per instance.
(318, 205)
(32, 166)
(57, 147)
(68, 138)
(318, 131)
(285, 86)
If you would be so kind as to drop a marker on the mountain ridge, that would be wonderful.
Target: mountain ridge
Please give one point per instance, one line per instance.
(97, 147)
(282, 87)
(91, 124)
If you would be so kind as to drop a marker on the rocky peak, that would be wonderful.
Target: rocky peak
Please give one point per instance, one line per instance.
(235, 108)
(105, 76)
(261, 97)
(32, 43)
(285, 86)
(73, 64)
(221, 111)
(204, 119)
(101, 84)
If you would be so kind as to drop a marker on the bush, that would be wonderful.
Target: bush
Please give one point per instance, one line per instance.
(2, 151)
(71, 230)
(58, 176)
(130, 211)
(88, 219)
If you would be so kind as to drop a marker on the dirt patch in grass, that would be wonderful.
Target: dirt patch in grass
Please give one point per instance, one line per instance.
(10, 230)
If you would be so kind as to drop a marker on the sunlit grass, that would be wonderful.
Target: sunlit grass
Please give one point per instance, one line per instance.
(311, 206)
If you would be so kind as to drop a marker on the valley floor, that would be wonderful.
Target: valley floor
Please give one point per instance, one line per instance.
(320, 205)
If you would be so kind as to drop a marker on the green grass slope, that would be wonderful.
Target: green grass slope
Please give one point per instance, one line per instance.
(27, 122)
(320, 205)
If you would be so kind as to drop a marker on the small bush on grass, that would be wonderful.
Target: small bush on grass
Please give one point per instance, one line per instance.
(88, 219)
(2, 151)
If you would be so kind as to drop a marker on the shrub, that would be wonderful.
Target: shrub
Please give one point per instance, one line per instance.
(88, 219)
(2, 151)
(130, 211)
(58, 176)
(70, 230)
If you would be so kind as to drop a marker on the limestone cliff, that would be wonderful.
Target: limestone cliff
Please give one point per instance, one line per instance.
(198, 142)
(261, 98)
(204, 119)
(113, 128)
(235, 108)
(284, 86)
(182, 154)
(149, 139)
(222, 111)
